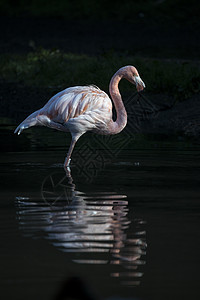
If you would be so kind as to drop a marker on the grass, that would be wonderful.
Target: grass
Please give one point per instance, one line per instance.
(52, 68)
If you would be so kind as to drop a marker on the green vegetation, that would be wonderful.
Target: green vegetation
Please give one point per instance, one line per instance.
(45, 68)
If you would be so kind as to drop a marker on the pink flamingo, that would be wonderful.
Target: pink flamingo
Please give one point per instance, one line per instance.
(85, 108)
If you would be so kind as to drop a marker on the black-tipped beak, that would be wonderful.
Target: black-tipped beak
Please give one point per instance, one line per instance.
(140, 85)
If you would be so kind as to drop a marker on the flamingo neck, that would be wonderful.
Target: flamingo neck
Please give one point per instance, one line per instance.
(121, 121)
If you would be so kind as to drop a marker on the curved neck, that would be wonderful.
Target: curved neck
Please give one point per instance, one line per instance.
(121, 121)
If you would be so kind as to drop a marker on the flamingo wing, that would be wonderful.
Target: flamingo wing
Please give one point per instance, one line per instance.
(80, 109)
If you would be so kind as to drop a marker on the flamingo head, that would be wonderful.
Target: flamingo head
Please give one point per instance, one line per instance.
(140, 85)
(132, 75)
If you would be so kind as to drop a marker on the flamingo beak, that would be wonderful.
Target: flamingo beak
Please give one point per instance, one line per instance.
(140, 85)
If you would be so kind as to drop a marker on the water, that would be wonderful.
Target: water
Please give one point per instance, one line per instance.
(126, 224)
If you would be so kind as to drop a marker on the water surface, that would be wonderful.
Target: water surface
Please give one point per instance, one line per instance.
(126, 223)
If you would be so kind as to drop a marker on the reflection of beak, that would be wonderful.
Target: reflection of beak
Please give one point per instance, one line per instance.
(139, 83)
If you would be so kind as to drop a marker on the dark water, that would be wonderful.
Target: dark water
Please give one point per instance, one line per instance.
(126, 223)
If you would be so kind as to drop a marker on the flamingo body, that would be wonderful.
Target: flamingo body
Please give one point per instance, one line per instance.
(84, 108)
(76, 109)
(80, 109)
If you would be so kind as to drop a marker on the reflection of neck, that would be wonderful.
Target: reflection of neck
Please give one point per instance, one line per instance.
(120, 123)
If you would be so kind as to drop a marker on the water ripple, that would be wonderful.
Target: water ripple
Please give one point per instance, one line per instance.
(95, 225)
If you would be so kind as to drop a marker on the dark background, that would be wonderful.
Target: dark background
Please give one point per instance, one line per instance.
(153, 28)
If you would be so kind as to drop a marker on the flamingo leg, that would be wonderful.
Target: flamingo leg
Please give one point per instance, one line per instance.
(68, 159)
(55, 125)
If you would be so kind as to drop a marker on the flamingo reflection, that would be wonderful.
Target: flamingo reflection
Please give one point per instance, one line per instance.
(95, 225)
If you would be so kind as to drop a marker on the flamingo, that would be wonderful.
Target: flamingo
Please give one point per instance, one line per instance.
(85, 108)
